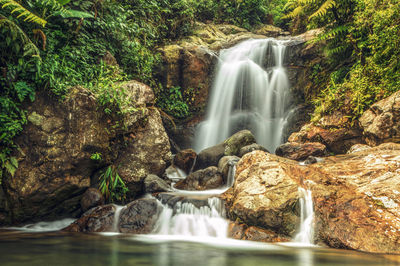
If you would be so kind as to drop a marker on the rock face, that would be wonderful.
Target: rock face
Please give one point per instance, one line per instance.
(55, 165)
(91, 198)
(301, 151)
(253, 233)
(139, 216)
(355, 196)
(264, 195)
(208, 178)
(381, 123)
(332, 131)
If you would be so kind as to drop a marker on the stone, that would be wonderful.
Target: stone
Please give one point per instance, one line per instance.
(98, 219)
(334, 131)
(185, 159)
(310, 160)
(153, 184)
(210, 156)
(301, 151)
(358, 148)
(252, 147)
(268, 30)
(253, 233)
(139, 216)
(91, 198)
(148, 153)
(208, 178)
(225, 163)
(237, 141)
(263, 195)
(381, 122)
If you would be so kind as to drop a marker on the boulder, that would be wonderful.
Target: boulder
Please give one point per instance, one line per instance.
(252, 147)
(356, 197)
(301, 151)
(381, 122)
(54, 156)
(210, 156)
(139, 216)
(269, 30)
(264, 195)
(358, 148)
(98, 219)
(334, 131)
(91, 198)
(153, 184)
(237, 141)
(208, 178)
(185, 159)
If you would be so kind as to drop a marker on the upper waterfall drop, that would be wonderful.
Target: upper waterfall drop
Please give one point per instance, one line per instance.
(250, 91)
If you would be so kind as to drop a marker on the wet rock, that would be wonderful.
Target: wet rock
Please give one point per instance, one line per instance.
(210, 156)
(301, 151)
(139, 216)
(358, 148)
(253, 233)
(208, 178)
(225, 163)
(98, 219)
(252, 147)
(185, 159)
(4, 216)
(264, 195)
(237, 141)
(381, 122)
(153, 184)
(269, 31)
(333, 131)
(310, 160)
(91, 198)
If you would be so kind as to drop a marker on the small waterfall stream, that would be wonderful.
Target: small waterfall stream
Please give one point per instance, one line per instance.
(306, 232)
(248, 93)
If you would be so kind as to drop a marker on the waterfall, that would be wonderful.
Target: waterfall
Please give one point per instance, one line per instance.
(248, 93)
(117, 214)
(198, 213)
(306, 232)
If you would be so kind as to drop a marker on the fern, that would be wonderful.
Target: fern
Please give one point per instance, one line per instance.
(323, 9)
(28, 46)
(333, 33)
(22, 12)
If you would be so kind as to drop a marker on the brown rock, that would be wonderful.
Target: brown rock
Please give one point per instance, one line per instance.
(185, 159)
(264, 195)
(91, 198)
(99, 219)
(139, 216)
(252, 147)
(253, 233)
(381, 123)
(301, 151)
(208, 178)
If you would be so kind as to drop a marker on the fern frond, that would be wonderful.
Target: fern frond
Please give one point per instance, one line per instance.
(336, 50)
(294, 13)
(29, 47)
(339, 30)
(323, 9)
(22, 12)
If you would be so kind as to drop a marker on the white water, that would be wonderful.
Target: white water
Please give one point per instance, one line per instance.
(117, 214)
(45, 226)
(247, 95)
(306, 232)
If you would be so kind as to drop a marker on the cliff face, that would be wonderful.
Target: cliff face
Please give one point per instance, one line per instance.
(56, 146)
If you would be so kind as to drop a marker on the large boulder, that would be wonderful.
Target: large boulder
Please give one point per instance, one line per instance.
(56, 151)
(301, 151)
(209, 156)
(264, 195)
(356, 197)
(185, 159)
(208, 178)
(334, 131)
(91, 198)
(381, 122)
(153, 184)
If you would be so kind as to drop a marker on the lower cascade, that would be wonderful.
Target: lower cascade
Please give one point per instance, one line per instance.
(248, 93)
(306, 232)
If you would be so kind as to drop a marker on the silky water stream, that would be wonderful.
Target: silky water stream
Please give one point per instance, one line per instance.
(250, 91)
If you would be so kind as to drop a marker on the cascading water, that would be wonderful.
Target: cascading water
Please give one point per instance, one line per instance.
(306, 233)
(248, 94)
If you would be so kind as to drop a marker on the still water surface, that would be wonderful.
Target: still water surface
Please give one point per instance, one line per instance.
(56, 248)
